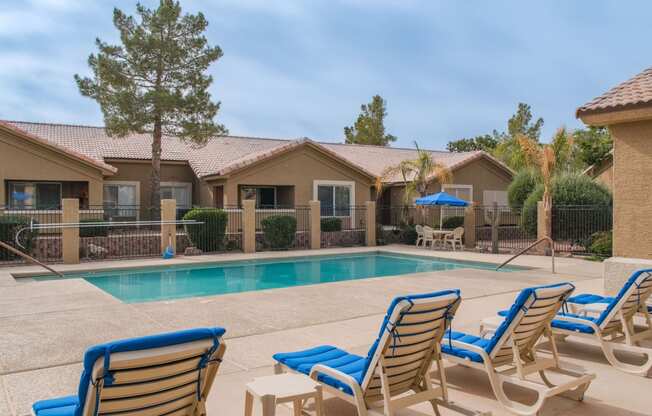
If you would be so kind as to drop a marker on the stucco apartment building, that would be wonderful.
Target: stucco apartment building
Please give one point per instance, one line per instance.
(42, 163)
(627, 110)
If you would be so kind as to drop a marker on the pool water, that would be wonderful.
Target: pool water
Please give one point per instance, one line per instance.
(174, 282)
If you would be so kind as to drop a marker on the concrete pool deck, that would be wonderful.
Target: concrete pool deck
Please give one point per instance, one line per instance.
(46, 326)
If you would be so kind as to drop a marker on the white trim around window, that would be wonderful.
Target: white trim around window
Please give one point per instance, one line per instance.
(452, 211)
(127, 183)
(458, 186)
(187, 185)
(325, 182)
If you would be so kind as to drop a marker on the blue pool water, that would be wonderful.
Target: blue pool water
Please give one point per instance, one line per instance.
(174, 282)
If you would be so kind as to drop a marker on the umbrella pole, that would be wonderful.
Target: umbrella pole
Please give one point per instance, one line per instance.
(441, 216)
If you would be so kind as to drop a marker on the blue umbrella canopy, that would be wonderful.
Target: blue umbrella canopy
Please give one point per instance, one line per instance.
(442, 198)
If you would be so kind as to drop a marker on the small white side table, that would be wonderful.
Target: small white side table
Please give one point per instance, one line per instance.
(282, 388)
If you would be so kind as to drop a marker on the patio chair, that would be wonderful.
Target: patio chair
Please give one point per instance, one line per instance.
(419, 229)
(455, 238)
(613, 329)
(397, 363)
(428, 236)
(510, 356)
(166, 374)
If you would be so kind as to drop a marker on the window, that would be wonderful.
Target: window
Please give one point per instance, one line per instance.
(180, 192)
(265, 196)
(499, 197)
(121, 198)
(34, 195)
(336, 199)
(464, 192)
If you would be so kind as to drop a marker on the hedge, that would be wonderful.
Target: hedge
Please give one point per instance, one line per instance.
(331, 224)
(569, 190)
(208, 236)
(279, 231)
(9, 226)
(93, 231)
(601, 244)
(451, 223)
(521, 187)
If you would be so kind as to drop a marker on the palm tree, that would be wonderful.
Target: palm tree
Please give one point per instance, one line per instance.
(417, 174)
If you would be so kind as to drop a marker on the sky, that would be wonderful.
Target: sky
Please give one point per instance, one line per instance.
(448, 69)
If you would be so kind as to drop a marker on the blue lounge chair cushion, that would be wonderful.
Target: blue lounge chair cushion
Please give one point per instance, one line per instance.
(353, 365)
(303, 361)
(623, 290)
(105, 350)
(62, 406)
(447, 348)
(570, 326)
(587, 298)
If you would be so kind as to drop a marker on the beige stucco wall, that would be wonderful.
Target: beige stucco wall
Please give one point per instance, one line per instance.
(632, 191)
(298, 168)
(482, 174)
(23, 160)
(139, 171)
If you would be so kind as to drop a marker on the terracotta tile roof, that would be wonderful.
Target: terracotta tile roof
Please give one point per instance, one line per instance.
(226, 154)
(633, 93)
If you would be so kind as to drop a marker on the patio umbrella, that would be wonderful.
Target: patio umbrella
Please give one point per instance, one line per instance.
(441, 198)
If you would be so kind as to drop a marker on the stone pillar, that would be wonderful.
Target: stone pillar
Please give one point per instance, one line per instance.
(249, 226)
(370, 232)
(469, 227)
(315, 225)
(70, 236)
(168, 232)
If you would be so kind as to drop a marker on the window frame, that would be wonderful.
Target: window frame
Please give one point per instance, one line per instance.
(35, 184)
(325, 182)
(187, 185)
(135, 206)
(448, 211)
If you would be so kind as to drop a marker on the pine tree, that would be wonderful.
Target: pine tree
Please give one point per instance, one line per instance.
(155, 81)
(369, 128)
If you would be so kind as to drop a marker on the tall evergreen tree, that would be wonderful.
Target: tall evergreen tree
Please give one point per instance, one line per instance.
(369, 128)
(155, 81)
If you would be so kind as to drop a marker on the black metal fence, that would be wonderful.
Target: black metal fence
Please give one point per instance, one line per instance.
(573, 226)
(346, 229)
(106, 242)
(502, 228)
(16, 231)
(273, 228)
(218, 230)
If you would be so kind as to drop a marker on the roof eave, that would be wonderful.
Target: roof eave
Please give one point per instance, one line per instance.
(615, 115)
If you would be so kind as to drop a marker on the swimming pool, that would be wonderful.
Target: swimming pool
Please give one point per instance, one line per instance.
(175, 282)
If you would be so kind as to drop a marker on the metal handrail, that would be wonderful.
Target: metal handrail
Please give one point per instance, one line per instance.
(552, 248)
(29, 258)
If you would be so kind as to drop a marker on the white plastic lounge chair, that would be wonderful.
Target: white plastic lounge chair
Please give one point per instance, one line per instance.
(455, 238)
(510, 356)
(614, 328)
(419, 229)
(586, 303)
(166, 374)
(397, 363)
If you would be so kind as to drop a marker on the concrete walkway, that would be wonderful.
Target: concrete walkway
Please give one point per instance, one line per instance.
(46, 326)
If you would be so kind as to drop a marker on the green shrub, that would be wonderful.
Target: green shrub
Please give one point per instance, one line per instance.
(409, 234)
(330, 224)
(92, 231)
(279, 231)
(208, 236)
(451, 223)
(601, 244)
(570, 189)
(521, 187)
(9, 226)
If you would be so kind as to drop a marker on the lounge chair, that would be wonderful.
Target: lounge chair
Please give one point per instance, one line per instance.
(510, 356)
(397, 363)
(613, 329)
(166, 374)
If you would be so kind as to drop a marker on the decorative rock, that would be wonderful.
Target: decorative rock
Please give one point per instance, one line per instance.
(192, 251)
